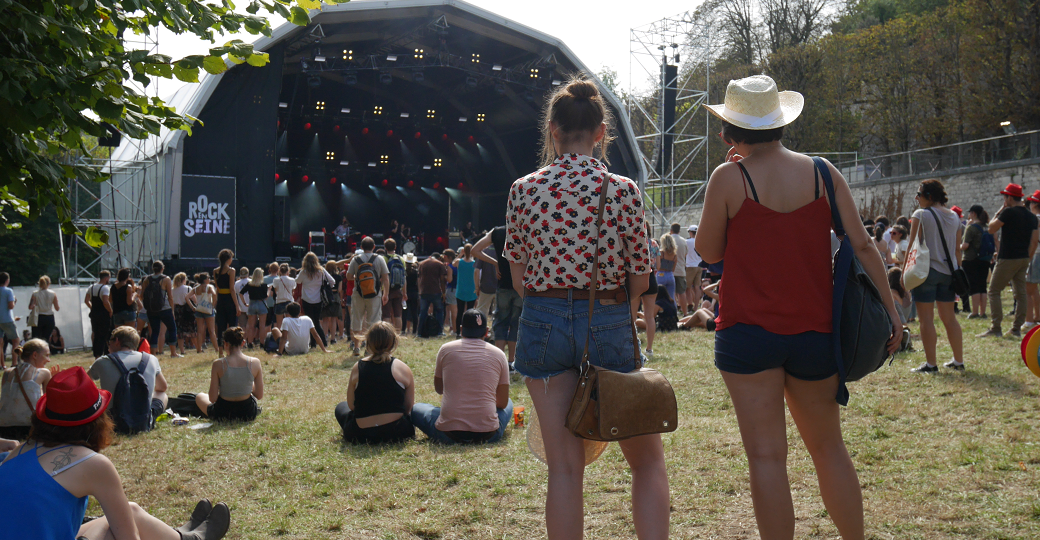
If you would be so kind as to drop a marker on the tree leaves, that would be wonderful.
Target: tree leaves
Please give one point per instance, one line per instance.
(214, 65)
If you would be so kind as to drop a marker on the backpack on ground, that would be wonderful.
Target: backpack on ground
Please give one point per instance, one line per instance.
(397, 275)
(365, 277)
(131, 407)
(184, 404)
(153, 295)
(988, 246)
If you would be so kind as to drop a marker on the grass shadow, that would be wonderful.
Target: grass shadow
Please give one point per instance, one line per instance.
(993, 382)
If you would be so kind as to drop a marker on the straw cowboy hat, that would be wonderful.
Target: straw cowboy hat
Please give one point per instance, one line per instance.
(593, 449)
(754, 103)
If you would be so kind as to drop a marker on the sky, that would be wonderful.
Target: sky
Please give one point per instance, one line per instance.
(597, 32)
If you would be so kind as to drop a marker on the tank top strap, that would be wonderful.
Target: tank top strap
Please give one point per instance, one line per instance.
(73, 464)
(56, 448)
(816, 181)
(747, 176)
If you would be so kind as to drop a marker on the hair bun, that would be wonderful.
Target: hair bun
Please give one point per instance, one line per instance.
(582, 89)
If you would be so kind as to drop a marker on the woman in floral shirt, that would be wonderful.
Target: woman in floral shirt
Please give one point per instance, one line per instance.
(550, 228)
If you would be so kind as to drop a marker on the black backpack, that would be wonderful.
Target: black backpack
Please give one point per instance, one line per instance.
(131, 407)
(153, 295)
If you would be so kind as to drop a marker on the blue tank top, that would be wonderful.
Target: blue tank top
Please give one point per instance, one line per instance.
(466, 289)
(454, 276)
(51, 512)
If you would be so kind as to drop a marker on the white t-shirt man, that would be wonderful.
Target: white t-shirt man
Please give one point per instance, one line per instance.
(692, 258)
(104, 371)
(298, 334)
(242, 298)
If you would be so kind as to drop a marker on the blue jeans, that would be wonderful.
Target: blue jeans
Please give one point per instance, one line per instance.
(438, 311)
(553, 333)
(166, 317)
(424, 417)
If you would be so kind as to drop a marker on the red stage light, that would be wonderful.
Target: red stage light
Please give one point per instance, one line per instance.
(471, 139)
(306, 178)
(335, 128)
(444, 137)
(389, 133)
(277, 177)
(386, 182)
(332, 180)
(418, 135)
(461, 185)
(364, 131)
(436, 185)
(411, 183)
(307, 125)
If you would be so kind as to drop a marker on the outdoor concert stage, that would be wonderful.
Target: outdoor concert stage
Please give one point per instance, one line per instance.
(423, 111)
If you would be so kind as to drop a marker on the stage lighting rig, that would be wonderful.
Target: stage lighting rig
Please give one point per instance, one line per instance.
(348, 54)
(384, 160)
(437, 162)
(330, 156)
(475, 58)
(430, 113)
(419, 54)
(480, 117)
(319, 106)
(378, 110)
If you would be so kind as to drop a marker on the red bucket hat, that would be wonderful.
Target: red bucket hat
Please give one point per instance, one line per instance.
(1035, 197)
(1012, 190)
(72, 399)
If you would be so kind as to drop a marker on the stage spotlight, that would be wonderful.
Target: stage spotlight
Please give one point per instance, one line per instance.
(405, 115)
(444, 137)
(471, 139)
(372, 164)
(283, 105)
(319, 106)
(330, 156)
(389, 133)
(350, 79)
(437, 162)
(419, 54)
(436, 185)
(319, 58)
(427, 167)
(418, 76)
(418, 135)
(411, 183)
(391, 57)
(471, 82)
(385, 77)
(557, 82)
(332, 180)
(430, 113)
(364, 131)
(534, 73)
(475, 58)
(335, 128)
(497, 67)
(314, 81)
(306, 178)
(284, 159)
(344, 162)
(345, 110)
(462, 186)
(384, 159)
(348, 54)
(277, 177)
(480, 117)
(463, 119)
(385, 182)
(377, 110)
(307, 126)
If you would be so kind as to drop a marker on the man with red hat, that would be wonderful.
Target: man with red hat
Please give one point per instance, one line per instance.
(1018, 239)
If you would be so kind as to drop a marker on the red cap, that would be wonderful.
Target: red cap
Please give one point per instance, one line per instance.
(957, 210)
(1013, 190)
(72, 399)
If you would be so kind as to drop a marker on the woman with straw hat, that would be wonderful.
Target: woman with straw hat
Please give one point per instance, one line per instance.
(45, 482)
(773, 336)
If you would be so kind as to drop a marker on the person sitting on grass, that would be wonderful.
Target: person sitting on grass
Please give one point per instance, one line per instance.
(296, 333)
(380, 393)
(705, 316)
(17, 404)
(473, 377)
(45, 482)
(236, 383)
(122, 345)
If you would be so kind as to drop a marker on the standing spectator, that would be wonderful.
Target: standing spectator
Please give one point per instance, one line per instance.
(380, 393)
(1018, 238)
(554, 289)
(158, 297)
(508, 303)
(256, 291)
(227, 307)
(930, 221)
(450, 304)
(649, 300)
(122, 344)
(411, 311)
(693, 269)
(122, 297)
(773, 341)
(242, 298)
(18, 404)
(433, 276)
(679, 273)
(283, 292)
(474, 379)
(366, 312)
(331, 314)
(205, 318)
(183, 310)
(272, 274)
(236, 382)
(8, 331)
(977, 259)
(398, 294)
(311, 276)
(488, 280)
(666, 265)
(297, 333)
(46, 303)
(1033, 275)
(99, 302)
(466, 288)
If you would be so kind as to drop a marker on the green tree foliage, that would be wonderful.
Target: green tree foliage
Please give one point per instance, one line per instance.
(65, 70)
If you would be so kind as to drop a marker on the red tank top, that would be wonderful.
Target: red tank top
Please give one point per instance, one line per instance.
(778, 267)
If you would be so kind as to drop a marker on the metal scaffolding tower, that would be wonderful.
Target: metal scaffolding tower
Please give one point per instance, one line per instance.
(670, 64)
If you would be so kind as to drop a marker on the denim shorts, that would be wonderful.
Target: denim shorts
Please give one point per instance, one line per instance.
(121, 318)
(938, 287)
(746, 349)
(279, 309)
(552, 334)
(449, 297)
(201, 315)
(257, 307)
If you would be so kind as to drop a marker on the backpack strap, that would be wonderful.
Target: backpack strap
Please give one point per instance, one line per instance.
(144, 362)
(119, 364)
(842, 265)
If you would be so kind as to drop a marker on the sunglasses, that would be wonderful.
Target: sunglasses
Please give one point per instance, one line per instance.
(919, 194)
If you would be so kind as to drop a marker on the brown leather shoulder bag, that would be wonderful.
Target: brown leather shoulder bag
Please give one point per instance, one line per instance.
(612, 406)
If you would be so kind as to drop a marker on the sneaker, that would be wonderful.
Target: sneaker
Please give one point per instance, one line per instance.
(649, 353)
(925, 368)
(974, 316)
(1015, 333)
(990, 333)
(333, 341)
(177, 356)
(952, 364)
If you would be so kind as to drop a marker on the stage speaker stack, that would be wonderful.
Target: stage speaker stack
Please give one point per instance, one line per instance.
(455, 240)
(317, 243)
(281, 219)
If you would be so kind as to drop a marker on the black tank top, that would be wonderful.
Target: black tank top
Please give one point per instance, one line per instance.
(117, 296)
(377, 390)
(97, 305)
(223, 281)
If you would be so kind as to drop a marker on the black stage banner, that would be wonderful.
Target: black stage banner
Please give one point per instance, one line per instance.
(208, 214)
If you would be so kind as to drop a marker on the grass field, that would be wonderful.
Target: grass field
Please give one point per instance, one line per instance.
(949, 455)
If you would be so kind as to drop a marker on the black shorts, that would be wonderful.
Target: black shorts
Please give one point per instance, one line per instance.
(652, 289)
(157, 409)
(396, 431)
(242, 411)
(747, 349)
(977, 271)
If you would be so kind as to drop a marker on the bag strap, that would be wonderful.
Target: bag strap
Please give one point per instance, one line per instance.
(21, 386)
(842, 264)
(942, 238)
(594, 285)
(119, 364)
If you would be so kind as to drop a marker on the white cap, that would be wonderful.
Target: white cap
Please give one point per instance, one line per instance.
(693, 228)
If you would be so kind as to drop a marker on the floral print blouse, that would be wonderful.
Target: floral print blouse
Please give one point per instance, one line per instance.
(551, 218)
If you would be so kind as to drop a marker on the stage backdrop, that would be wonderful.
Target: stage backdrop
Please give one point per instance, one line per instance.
(207, 216)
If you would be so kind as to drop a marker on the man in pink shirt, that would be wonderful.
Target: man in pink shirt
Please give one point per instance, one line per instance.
(473, 377)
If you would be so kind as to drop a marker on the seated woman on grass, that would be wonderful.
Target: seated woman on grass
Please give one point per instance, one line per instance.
(17, 404)
(705, 316)
(380, 394)
(236, 383)
(45, 482)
